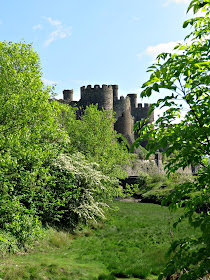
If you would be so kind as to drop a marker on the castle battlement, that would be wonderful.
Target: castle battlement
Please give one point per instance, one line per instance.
(96, 87)
(143, 105)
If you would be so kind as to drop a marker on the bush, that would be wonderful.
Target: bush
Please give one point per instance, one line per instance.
(130, 190)
(93, 135)
(142, 152)
(180, 178)
(156, 178)
(143, 179)
(19, 223)
(91, 190)
(156, 187)
(30, 136)
(75, 192)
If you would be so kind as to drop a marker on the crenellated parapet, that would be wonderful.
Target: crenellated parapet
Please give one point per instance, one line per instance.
(103, 96)
(142, 112)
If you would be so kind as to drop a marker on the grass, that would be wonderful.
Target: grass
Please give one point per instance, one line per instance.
(130, 244)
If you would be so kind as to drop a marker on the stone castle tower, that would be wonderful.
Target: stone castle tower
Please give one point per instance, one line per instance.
(127, 111)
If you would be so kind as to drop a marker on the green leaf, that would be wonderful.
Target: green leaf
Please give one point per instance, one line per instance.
(156, 87)
(148, 91)
(185, 24)
(2, 239)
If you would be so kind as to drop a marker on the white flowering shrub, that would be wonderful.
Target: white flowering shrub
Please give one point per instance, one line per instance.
(93, 189)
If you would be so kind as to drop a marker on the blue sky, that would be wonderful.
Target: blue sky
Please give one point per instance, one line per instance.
(83, 42)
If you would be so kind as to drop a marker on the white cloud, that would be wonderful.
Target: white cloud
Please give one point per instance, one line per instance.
(136, 18)
(54, 22)
(60, 31)
(154, 51)
(48, 82)
(36, 27)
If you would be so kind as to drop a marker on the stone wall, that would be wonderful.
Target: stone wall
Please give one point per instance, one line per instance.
(151, 166)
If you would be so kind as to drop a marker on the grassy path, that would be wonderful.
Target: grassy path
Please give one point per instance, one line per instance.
(131, 243)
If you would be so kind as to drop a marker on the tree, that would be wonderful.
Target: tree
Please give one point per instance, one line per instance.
(30, 136)
(94, 136)
(185, 138)
(27, 118)
(30, 132)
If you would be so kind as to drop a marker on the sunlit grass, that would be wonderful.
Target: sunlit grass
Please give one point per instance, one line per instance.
(131, 243)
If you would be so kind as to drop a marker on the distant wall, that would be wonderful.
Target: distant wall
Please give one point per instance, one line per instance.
(151, 167)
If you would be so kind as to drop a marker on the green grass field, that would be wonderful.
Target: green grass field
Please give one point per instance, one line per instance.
(130, 244)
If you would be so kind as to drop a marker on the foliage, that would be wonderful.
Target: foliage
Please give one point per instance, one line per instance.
(129, 190)
(142, 152)
(143, 178)
(185, 138)
(30, 136)
(158, 187)
(86, 199)
(30, 133)
(154, 188)
(94, 136)
(19, 222)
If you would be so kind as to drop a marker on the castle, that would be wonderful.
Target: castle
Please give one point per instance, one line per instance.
(127, 111)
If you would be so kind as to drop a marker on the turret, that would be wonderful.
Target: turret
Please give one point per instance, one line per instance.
(133, 100)
(115, 92)
(103, 96)
(124, 123)
(68, 95)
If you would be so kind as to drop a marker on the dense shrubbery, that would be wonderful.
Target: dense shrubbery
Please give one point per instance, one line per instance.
(19, 225)
(142, 152)
(155, 188)
(43, 180)
(29, 137)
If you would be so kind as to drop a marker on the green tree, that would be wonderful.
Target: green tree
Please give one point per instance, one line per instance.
(186, 138)
(30, 134)
(94, 136)
(28, 121)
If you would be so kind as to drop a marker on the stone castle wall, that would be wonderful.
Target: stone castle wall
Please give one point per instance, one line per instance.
(127, 111)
